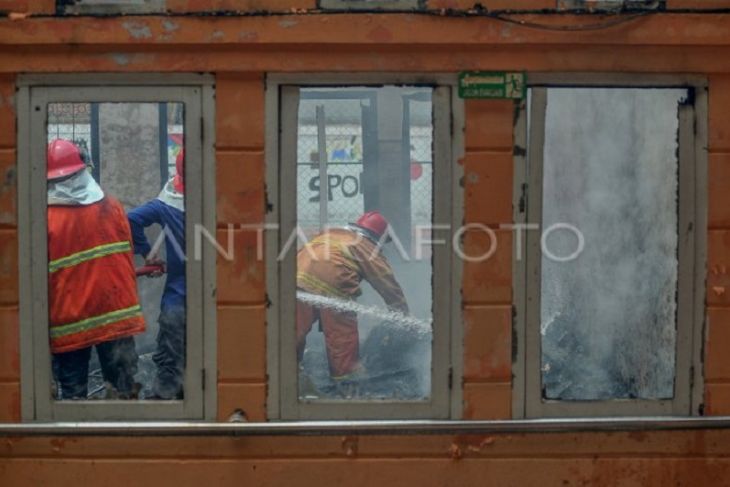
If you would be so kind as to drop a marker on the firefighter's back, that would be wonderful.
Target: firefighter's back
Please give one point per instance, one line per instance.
(328, 264)
(91, 280)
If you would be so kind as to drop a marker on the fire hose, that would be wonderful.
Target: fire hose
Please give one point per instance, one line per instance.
(395, 318)
(146, 270)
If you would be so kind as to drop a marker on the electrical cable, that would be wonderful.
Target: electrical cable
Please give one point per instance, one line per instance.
(574, 28)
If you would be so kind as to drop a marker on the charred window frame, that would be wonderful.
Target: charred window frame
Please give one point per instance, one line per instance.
(34, 94)
(528, 398)
(282, 96)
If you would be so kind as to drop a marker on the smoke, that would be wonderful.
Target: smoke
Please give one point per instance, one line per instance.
(416, 279)
(608, 318)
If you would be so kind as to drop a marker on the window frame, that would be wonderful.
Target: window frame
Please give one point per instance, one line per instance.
(281, 132)
(354, 5)
(197, 92)
(112, 7)
(527, 209)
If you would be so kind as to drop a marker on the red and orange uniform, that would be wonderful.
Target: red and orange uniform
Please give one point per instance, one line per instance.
(333, 264)
(92, 289)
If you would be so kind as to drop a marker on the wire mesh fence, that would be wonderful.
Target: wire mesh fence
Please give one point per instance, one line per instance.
(341, 150)
(70, 121)
(76, 122)
(335, 139)
(421, 170)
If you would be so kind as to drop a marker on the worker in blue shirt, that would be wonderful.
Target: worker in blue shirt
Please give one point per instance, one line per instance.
(168, 211)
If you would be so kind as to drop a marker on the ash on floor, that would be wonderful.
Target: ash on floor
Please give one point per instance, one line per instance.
(396, 362)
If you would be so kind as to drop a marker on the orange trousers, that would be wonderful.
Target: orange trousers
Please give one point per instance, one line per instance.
(340, 337)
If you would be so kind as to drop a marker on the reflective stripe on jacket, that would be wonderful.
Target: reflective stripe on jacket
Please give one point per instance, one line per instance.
(92, 289)
(334, 262)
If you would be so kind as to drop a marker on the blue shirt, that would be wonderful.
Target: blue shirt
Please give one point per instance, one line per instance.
(172, 221)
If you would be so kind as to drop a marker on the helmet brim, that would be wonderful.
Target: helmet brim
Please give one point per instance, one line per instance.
(62, 172)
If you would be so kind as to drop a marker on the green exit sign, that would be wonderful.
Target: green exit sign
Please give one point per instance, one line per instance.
(492, 84)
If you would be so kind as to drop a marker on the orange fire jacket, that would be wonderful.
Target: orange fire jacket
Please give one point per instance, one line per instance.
(92, 288)
(335, 262)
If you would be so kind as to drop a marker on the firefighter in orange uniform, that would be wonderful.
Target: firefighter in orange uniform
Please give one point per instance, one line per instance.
(333, 264)
(92, 289)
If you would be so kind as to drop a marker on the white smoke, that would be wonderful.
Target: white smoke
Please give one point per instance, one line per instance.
(609, 317)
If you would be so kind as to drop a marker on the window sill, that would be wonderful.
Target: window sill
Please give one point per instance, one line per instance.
(354, 428)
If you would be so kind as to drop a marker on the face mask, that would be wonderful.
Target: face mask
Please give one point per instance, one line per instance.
(79, 189)
(170, 197)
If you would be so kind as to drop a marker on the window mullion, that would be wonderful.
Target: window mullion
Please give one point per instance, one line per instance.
(533, 382)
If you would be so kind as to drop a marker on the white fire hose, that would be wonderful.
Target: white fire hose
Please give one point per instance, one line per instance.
(394, 318)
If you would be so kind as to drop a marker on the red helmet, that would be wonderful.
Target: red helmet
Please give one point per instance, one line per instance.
(374, 222)
(178, 182)
(64, 158)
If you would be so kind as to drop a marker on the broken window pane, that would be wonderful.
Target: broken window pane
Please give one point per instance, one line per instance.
(610, 172)
(364, 158)
(116, 250)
